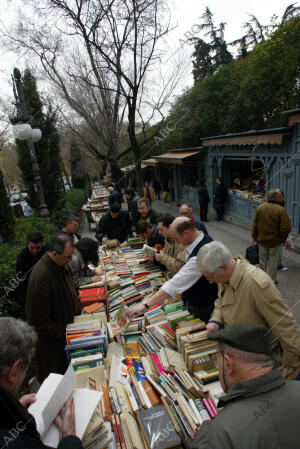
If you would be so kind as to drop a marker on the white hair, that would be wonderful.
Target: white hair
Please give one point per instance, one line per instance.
(212, 255)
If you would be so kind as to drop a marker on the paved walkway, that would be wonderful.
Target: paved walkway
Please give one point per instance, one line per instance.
(237, 239)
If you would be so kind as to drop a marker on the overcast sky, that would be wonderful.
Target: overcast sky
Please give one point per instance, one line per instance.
(185, 14)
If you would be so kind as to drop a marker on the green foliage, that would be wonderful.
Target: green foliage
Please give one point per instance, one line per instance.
(6, 215)
(47, 149)
(248, 93)
(79, 175)
(74, 200)
(9, 254)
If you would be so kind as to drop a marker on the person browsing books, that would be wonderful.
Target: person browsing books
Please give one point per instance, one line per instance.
(146, 212)
(51, 304)
(17, 426)
(260, 409)
(115, 224)
(197, 293)
(187, 211)
(70, 228)
(248, 295)
(86, 250)
(173, 254)
(150, 233)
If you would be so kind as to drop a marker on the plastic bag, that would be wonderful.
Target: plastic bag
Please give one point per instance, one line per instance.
(289, 243)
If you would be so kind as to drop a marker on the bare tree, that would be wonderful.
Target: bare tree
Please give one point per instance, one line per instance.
(100, 57)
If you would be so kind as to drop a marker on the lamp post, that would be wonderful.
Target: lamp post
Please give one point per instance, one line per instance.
(23, 131)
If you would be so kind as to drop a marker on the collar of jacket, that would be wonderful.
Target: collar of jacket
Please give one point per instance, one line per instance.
(253, 387)
(58, 270)
(238, 273)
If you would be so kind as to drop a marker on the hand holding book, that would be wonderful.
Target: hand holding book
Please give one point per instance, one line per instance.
(66, 425)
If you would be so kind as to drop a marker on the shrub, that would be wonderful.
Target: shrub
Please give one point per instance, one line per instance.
(9, 254)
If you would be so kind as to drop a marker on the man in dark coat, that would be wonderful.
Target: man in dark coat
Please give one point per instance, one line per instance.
(27, 259)
(220, 198)
(132, 199)
(146, 212)
(70, 228)
(17, 426)
(260, 409)
(115, 224)
(114, 197)
(150, 233)
(51, 304)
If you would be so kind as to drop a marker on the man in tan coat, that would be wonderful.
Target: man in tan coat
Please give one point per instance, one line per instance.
(271, 226)
(246, 294)
(173, 254)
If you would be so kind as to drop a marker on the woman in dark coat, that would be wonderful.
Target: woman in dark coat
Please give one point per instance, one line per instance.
(204, 199)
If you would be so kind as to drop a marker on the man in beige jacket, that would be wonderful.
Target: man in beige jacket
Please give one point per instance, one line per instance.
(173, 254)
(246, 294)
(271, 226)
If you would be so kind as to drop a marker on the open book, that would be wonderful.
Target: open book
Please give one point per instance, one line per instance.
(53, 393)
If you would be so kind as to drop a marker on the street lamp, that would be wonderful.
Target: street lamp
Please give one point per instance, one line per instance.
(25, 129)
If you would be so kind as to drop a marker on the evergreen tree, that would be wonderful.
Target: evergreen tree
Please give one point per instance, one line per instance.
(78, 172)
(47, 149)
(6, 215)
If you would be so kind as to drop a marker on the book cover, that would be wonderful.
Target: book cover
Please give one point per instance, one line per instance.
(158, 429)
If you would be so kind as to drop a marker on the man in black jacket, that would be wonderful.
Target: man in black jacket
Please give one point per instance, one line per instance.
(27, 259)
(115, 224)
(220, 198)
(115, 197)
(132, 205)
(17, 426)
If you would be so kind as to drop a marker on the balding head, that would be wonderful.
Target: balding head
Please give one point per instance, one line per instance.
(186, 211)
(183, 230)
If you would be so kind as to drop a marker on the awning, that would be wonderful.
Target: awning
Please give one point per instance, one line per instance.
(273, 139)
(149, 162)
(176, 157)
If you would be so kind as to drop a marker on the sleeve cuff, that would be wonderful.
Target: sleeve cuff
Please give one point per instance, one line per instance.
(216, 322)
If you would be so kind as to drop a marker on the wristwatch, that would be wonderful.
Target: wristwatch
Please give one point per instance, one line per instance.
(146, 305)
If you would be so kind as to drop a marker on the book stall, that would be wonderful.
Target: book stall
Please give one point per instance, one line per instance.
(97, 205)
(150, 380)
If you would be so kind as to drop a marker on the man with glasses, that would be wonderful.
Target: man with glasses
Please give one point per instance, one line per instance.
(51, 304)
(17, 426)
(146, 212)
(246, 294)
(260, 408)
(187, 211)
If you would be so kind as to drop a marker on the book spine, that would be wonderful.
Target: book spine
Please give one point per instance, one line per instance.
(116, 433)
(131, 398)
(210, 407)
(144, 395)
(196, 412)
(202, 410)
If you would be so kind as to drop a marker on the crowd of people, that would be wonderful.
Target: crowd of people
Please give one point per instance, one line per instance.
(258, 337)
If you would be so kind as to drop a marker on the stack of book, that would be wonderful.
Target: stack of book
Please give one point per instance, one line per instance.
(87, 341)
(90, 296)
(197, 351)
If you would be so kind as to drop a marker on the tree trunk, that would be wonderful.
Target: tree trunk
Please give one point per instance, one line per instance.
(136, 151)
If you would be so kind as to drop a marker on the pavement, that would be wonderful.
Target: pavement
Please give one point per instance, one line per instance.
(237, 239)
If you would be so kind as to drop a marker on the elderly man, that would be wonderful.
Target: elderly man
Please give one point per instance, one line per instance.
(146, 213)
(261, 409)
(28, 257)
(70, 228)
(271, 226)
(17, 426)
(187, 211)
(51, 304)
(248, 295)
(197, 293)
(115, 224)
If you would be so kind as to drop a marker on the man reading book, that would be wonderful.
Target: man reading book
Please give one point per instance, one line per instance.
(260, 409)
(17, 426)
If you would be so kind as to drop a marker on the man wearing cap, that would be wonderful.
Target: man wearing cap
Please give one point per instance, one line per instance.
(260, 408)
(246, 294)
